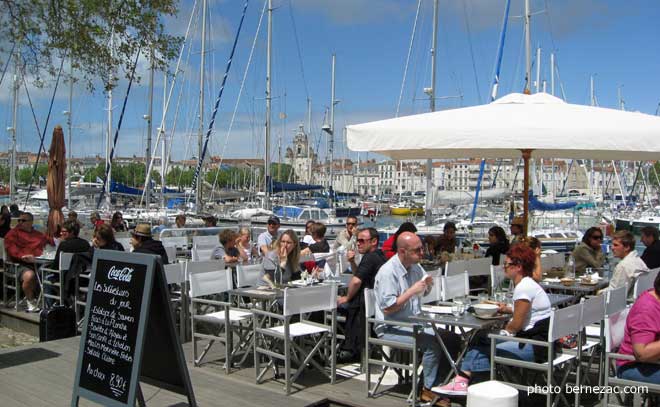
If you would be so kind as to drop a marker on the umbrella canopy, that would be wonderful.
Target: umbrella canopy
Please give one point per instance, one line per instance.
(548, 126)
(516, 125)
(55, 182)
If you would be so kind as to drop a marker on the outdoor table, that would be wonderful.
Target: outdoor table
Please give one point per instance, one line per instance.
(577, 288)
(467, 320)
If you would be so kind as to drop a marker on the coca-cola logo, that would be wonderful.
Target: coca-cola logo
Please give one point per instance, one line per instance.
(124, 274)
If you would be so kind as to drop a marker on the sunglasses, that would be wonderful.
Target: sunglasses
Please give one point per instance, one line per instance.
(417, 250)
(273, 223)
(23, 220)
(597, 237)
(351, 224)
(363, 240)
(509, 264)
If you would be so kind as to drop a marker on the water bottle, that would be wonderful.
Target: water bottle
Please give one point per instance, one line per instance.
(570, 267)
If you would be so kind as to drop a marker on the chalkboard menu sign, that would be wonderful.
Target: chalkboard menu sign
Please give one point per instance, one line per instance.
(126, 297)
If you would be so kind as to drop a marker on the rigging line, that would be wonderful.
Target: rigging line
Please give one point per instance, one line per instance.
(474, 65)
(169, 97)
(43, 134)
(200, 159)
(116, 137)
(410, 47)
(547, 14)
(295, 36)
(4, 70)
(240, 93)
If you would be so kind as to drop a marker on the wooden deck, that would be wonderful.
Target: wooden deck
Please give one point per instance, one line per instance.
(42, 375)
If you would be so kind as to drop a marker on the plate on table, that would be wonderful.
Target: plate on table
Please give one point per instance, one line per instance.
(589, 283)
(551, 280)
(498, 316)
(436, 309)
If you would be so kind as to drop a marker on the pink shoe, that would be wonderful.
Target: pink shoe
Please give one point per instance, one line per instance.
(456, 387)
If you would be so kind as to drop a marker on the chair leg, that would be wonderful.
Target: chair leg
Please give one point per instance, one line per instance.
(287, 363)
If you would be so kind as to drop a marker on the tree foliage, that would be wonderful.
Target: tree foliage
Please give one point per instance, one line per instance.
(132, 174)
(281, 172)
(24, 175)
(80, 30)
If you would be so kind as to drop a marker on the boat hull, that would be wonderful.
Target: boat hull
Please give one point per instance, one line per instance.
(406, 211)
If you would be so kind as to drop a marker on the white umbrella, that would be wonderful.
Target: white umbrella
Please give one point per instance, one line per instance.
(537, 125)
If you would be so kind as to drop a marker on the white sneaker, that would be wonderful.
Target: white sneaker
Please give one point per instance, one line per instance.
(32, 305)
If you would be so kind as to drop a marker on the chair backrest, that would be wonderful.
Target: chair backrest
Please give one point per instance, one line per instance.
(205, 241)
(436, 290)
(564, 321)
(310, 299)
(174, 273)
(547, 262)
(558, 259)
(455, 286)
(201, 253)
(212, 282)
(457, 267)
(616, 300)
(2, 249)
(175, 241)
(593, 310)
(644, 282)
(497, 277)
(171, 252)
(125, 242)
(479, 267)
(615, 326)
(369, 303)
(196, 267)
(65, 260)
(248, 276)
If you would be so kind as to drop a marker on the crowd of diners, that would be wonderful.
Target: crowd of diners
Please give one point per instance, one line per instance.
(392, 269)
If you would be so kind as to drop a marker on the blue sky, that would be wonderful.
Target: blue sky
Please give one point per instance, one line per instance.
(616, 41)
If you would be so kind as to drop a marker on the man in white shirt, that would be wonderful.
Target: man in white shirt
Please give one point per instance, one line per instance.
(265, 240)
(630, 266)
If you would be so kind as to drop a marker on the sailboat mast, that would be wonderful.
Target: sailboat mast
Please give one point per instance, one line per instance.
(309, 141)
(163, 137)
(528, 48)
(269, 58)
(332, 130)
(108, 143)
(69, 122)
(200, 135)
(147, 189)
(12, 170)
(429, 162)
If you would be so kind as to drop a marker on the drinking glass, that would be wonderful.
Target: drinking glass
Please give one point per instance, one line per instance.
(456, 309)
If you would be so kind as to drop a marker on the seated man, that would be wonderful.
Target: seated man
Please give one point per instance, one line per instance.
(630, 266)
(642, 338)
(70, 243)
(372, 260)
(651, 255)
(142, 242)
(227, 249)
(23, 243)
(398, 287)
(266, 239)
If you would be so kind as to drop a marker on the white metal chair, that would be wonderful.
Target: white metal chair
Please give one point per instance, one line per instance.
(615, 326)
(171, 253)
(248, 275)
(497, 278)
(10, 280)
(297, 301)
(205, 241)
(644, 282)
(455, 286)
(564, 321)
(593, 312)
(46, 273)
(175, 241)
(388, 360)
(456, 267)
(201, 253)
(125, 242)
(220, 314)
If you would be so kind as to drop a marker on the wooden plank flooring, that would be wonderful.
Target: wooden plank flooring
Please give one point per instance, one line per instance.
(42, 375)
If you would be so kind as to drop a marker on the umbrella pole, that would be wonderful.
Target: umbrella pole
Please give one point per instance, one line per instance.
(526, 154)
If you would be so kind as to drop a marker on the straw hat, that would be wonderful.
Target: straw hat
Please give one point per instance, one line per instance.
(143, 229)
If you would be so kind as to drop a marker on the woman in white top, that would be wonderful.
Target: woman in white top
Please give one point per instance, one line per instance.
(531, 311)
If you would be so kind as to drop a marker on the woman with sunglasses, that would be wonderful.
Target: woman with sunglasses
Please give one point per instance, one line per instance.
(588, 253)
(530, 319)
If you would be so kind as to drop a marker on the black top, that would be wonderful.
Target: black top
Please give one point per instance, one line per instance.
(320, 247)
(152, 246)
(73, 245)
(366, 272)
(651, 255)
(6, 225)
(496, 250)
(114, 245)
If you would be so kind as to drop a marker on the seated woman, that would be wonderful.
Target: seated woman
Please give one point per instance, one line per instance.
(531, 315)
(499, 244)
(282, 264)
(104, 238)
(227, 249)
(389, 245)
(642, 338)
